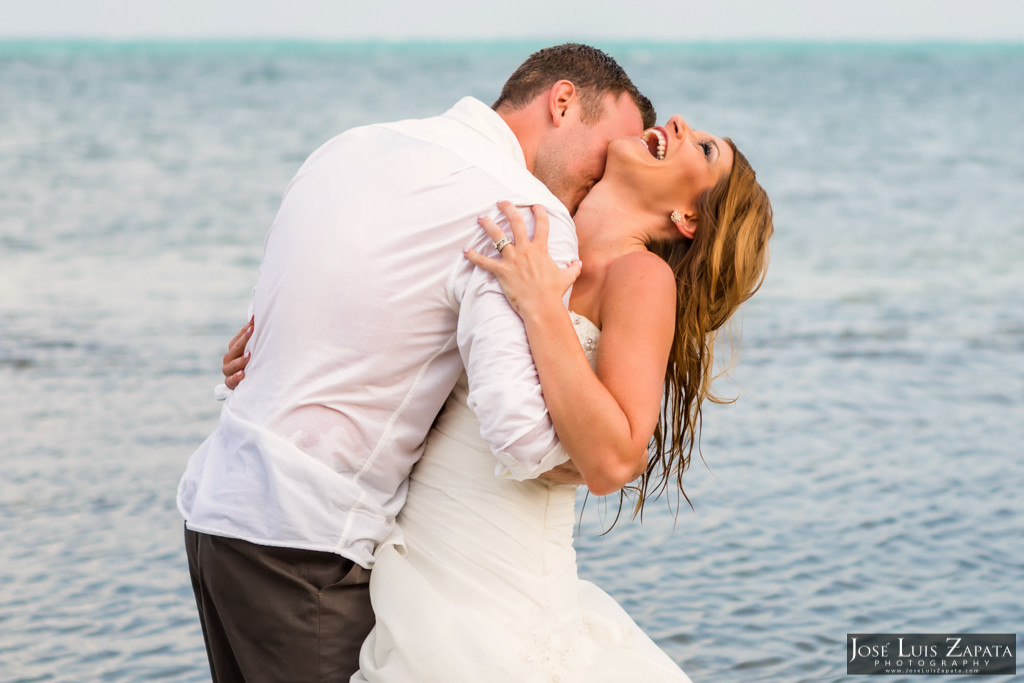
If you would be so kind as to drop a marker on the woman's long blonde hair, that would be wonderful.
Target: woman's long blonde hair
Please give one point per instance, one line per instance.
(716, 271)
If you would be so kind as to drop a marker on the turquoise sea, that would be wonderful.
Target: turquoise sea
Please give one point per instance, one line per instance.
(867, 479)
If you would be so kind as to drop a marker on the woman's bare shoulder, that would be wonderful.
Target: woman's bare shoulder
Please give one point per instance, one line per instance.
(642, 270)
(637, 285)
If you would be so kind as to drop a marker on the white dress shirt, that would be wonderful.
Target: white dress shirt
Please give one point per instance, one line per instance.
(367, 312)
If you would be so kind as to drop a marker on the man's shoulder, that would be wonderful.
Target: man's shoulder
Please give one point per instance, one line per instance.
(435, 134)
(466, 137)
(467, 149)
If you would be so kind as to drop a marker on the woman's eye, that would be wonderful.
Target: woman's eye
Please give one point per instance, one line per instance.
(706, 146)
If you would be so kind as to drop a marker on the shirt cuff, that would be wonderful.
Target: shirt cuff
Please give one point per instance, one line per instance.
(221, 392)
(510, 468)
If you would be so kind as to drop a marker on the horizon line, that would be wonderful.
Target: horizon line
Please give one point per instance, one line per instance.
(547, 40)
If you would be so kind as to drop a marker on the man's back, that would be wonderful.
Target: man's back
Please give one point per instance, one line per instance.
(359, 301)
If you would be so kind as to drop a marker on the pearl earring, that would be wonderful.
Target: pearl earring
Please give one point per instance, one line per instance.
(676, 217)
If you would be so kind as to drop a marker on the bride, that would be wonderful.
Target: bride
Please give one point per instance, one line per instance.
(483, 585)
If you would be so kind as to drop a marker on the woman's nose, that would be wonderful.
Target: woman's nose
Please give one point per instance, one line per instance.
(678, 125)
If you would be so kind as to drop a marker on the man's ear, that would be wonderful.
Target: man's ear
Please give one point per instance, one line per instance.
(561, 99)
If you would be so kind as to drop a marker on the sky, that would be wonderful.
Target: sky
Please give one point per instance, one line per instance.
(661, 20)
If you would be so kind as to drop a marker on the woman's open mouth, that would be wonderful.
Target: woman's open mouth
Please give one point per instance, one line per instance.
(656, 140)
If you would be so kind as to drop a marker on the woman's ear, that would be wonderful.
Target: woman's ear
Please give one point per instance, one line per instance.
(686, 223)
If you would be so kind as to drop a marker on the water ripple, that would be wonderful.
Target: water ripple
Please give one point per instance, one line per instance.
(866, 480)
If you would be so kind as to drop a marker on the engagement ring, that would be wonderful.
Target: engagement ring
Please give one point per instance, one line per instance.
(502, 243)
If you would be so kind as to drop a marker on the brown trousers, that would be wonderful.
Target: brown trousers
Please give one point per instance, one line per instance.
(278, 615)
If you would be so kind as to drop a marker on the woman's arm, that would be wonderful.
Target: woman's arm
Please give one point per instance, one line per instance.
(604, 420)
(233, 363)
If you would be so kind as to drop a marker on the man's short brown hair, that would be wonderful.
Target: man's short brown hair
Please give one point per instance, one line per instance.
(594, 73)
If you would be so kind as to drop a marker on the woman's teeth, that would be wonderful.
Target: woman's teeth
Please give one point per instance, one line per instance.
(655, 141)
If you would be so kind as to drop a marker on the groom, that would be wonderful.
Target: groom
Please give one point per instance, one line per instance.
(368, 312)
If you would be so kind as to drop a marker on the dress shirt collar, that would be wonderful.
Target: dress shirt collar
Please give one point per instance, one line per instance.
(488, 123)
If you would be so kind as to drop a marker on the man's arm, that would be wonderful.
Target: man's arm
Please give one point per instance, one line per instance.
(604, 420)
(504, 389)
(235, 360)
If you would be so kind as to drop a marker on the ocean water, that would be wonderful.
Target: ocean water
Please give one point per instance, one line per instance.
(866, 480)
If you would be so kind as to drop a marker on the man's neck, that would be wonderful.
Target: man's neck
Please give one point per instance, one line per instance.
(524, 126)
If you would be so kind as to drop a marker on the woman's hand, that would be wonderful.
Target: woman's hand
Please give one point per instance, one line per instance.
(234, 362)
(527, 273)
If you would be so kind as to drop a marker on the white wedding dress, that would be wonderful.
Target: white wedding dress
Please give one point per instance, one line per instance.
(480, 586)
